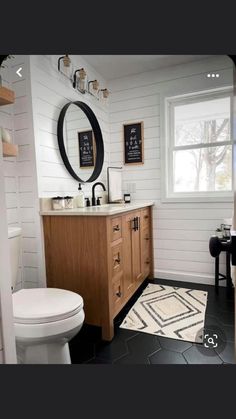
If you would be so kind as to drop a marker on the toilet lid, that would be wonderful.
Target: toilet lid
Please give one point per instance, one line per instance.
(42, 305)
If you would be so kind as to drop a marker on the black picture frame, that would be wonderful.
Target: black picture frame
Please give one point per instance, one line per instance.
(133, 143)
(97, 137)
(86, 149)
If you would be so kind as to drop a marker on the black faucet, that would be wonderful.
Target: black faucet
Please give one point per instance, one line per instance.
(93, 191)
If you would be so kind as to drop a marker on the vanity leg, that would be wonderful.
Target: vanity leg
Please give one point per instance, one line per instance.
(151, 276)
(108, 331)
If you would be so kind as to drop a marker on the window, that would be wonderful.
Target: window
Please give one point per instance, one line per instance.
(199, 146)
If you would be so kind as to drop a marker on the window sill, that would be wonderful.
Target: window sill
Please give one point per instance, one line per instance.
(198, 199)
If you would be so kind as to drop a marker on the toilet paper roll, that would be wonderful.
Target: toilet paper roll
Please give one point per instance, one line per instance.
(6, 136)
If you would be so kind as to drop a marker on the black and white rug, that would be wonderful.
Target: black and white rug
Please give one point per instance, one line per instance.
(172, 312)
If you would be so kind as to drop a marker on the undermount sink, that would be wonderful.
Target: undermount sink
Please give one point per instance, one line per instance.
(112, 206)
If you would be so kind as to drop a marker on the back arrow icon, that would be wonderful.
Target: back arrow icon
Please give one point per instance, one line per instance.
(18, 72)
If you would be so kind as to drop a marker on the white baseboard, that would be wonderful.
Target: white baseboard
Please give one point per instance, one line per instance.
(187, 277)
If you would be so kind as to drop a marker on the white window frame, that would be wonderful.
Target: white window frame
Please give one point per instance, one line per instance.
(168, 194)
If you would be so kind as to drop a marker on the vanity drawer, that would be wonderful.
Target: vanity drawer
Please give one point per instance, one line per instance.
(117, 294)
(115, 224)
(116, 260)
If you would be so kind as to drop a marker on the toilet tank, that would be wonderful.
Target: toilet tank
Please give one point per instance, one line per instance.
(14, 236)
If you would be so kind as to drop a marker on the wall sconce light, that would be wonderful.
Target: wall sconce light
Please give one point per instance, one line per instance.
(66, 64)
(95, 85)
(79, 80)
(105, 93)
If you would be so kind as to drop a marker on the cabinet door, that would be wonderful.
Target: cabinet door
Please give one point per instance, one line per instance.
(136, 247)
(132, 254)
(129, 282)
(146, 242)
(146, 252)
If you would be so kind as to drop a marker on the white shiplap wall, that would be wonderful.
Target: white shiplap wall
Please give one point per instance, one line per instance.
(7, 338)
(20, 173)
(27, 176)
(181, 230)
(10, 181)
(50, 92)
(9, 164)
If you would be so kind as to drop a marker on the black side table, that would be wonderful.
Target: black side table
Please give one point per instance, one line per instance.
(218, 275)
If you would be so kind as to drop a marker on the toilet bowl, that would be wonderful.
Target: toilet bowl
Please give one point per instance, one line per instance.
(45, 319)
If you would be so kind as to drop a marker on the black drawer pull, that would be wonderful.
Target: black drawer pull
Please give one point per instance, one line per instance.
(118, 293)
(117, 259)
(135, 222)
(116, 228)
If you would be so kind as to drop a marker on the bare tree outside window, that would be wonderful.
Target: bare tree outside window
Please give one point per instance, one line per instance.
(202, 152)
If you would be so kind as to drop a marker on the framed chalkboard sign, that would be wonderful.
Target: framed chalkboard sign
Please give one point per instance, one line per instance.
(86, 148)
(133, 143)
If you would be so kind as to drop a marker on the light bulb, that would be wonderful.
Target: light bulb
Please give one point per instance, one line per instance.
(105, 93)
(81, 80)
(95, 84)
(66, 61)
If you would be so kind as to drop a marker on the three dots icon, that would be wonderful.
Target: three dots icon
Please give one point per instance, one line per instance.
(212, 75)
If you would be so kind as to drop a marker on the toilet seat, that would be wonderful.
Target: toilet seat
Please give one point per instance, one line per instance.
(32, 332)
(45, 305)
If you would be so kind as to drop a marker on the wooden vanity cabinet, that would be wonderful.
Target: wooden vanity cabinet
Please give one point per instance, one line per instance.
(103, 258)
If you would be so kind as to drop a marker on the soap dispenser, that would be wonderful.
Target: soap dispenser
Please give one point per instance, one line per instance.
(80, 202)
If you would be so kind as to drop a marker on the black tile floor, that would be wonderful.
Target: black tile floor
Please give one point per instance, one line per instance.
(131, 347)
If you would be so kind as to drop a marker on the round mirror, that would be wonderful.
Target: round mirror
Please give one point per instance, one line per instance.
(80, 141)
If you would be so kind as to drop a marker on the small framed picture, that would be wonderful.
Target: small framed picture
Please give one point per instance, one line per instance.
(133, 143)
(86, 148)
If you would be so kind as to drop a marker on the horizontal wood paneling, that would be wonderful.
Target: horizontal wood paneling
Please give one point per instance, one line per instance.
(20, 172)
(181, 231)
(51, 91)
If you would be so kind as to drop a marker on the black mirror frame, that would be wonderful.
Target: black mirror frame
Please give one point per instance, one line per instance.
(98, 140)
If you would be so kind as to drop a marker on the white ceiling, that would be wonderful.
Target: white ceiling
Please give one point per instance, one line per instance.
(116, 66)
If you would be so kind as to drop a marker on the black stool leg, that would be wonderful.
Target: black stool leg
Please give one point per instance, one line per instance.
(217, 273)
(228, 273)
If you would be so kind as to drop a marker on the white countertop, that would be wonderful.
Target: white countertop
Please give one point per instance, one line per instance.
(103, 210)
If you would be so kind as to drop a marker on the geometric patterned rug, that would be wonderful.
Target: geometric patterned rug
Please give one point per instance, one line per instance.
(172, 312)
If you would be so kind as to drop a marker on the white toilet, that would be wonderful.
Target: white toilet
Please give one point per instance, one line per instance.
(45, 319)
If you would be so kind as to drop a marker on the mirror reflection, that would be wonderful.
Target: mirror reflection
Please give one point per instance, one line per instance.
(79, 142)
